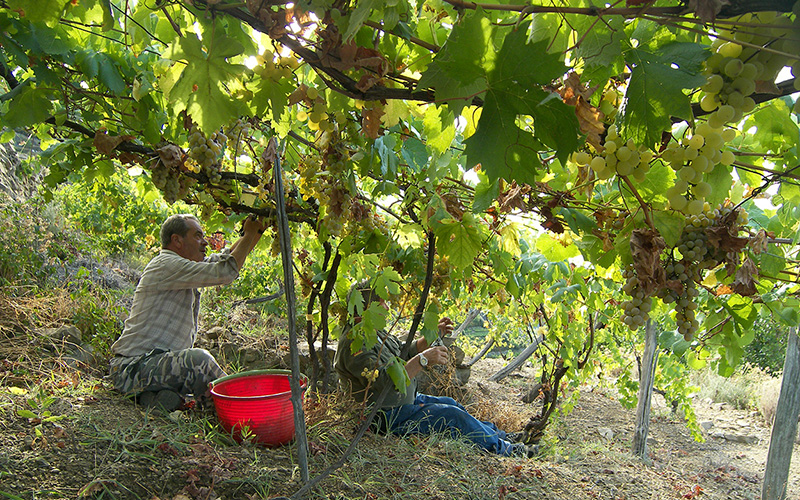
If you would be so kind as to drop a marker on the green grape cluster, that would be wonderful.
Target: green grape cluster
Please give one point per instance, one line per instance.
(619, 157)
(237, 132)
(321, 178)
(316, 111)
(206, 153)
(636, 310)
(275, 68)
(683, 267)
(685, 274)
(739, 61)
(172, 185)
(692, 158)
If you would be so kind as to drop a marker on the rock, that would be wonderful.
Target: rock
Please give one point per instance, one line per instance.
(606, 433)
(215, 333)
(62, 334)
(735, 438)
(84, 357)
(706, 425)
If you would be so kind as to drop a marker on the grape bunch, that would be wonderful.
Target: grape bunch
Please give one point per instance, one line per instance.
(635, 311)
(683, 277)
(691, 158)
(172, 185)
(619, 157)
(739, 61)
(206, 153)
(316, 109)
(682, 269)
(322, 178)
(237, 132)
(275, 69)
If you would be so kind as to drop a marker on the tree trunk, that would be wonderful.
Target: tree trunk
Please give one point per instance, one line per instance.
(784, 429)
(646, 377)
(517, 362)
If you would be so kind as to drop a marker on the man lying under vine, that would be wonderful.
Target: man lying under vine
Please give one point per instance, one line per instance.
(365, 374)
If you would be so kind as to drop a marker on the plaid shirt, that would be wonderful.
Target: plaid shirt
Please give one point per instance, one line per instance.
(167, 303)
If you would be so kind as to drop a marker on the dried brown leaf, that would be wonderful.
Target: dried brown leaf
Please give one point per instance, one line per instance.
(745, 282)
(721, 237)
(170, 155)
(767, 87)
(706, 10)
(758, 243)
(371, 121)
(646, 248)
(513, 198)
(590, 119)
(105, 143)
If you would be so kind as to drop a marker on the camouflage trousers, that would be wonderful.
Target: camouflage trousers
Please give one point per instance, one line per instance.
(188, 371)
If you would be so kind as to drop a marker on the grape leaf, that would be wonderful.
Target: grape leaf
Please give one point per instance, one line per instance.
(500, 147)
(358, 16)
(485, 193)
(272, 94)
(655, 90)
(386, 283)
(415, 154)
(461, 241)
(720, 180)
(374, 320)
(669, 225)
(775, 131)
(397, 372)
(458, 72)
(430, 322)
(48, 11)
(439, 128)
(200, 88)
(29, 106)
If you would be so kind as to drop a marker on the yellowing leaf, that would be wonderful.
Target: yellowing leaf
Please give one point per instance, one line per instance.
(509, 239)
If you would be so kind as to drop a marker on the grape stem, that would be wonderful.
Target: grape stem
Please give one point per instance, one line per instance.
(645, 208)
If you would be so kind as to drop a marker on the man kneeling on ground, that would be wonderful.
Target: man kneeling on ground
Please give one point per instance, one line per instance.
(154, 357)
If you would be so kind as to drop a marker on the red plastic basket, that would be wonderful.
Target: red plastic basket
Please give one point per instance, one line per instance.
(257, 402)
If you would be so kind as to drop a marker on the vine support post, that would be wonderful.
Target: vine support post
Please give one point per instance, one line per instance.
(288, 278)
(784, 429)
(646, 378)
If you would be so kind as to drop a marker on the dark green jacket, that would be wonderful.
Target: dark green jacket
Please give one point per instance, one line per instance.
(350, 366)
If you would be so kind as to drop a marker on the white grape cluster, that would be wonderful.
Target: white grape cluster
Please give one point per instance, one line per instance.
(275, 68)
(619, 157)
(321, 178)
(206, 153)
(686, 274)
(316, 110)
(739, 61)
(636, 310)
(683, 270)
(237, 132)
(172, 185)
(692, 158)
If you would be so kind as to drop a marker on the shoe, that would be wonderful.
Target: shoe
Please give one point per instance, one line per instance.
(524, 450)
(165, 400)
(515, 437)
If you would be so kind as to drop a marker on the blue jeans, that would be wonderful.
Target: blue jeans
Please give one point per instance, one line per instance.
(441, 414)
